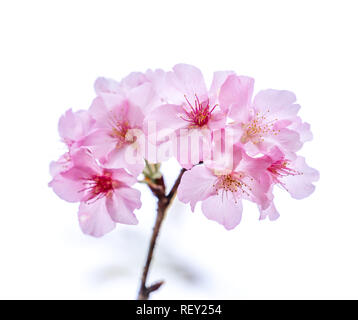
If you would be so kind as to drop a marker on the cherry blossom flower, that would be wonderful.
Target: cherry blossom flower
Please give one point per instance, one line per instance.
(267, 121)
(293, 175)
(119, 109)
(192, 109)
(142, 89)
(221, 187)
(74, 126)
(116, 139)
(105, 195)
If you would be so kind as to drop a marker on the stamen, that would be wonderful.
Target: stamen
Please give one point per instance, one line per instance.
(99, 186)
(258, 128)
(119, 131)
(280, 169)
(232, 183)
(198, 115)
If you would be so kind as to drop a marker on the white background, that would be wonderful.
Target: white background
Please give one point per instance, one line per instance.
(50, 54)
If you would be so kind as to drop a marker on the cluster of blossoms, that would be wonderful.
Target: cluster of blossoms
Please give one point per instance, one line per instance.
(232, 145)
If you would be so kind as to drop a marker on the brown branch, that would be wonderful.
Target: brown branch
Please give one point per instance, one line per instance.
(164, 202)
(174, 189)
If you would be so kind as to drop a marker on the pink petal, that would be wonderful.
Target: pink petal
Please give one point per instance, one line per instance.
(224, 160)
(133, 80)
(196, 185)
(99, 111)
(157, 78)
(127, 112)
(256, 168)
(288, 140)
(123, 176)
(257, 189)
(218, 79)
(235, 97)
(94, 218)
(142, 95)
(67, 189)
(223, 210)
(279, 102)
(167, 119)
(192, 146)
(217, 120)
(122, 204)
(301, 186)
(73, 126)
(118, 158)
(103, 85)
(104, 103)
(271, 212)
(303, 129)
(189, 80)
(100, 142)
(69, 185)
(275, 154)
(84, 160)
(61, 165)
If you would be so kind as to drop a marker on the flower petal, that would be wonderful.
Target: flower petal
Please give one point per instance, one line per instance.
(279, 102)
(166, 119)
(189, 80)
(235, 97)
(73, 126)
(196, 185)
(108, 85)
(219, 78)
(301, 186)
(223, 210)
(122, 204)
(67, 189)
(94, 218)
(270, 212)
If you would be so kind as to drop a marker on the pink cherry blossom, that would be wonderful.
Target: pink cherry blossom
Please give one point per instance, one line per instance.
(293, 175)
(267, 121)
(116, 139)
(221, 189)
(191, 110)
(105, 195)
(142, 89)
(74, 126)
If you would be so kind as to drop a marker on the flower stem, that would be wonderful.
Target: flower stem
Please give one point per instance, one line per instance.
(164, 202)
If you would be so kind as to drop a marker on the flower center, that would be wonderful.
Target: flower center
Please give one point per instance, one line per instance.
(103, 184)
(121, 132)
(233, 183)
(258, 128)
(199, 114)
(280, 169)
(100, 186)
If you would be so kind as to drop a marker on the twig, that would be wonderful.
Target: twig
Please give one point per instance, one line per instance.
(164, 202)
(174, 189)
